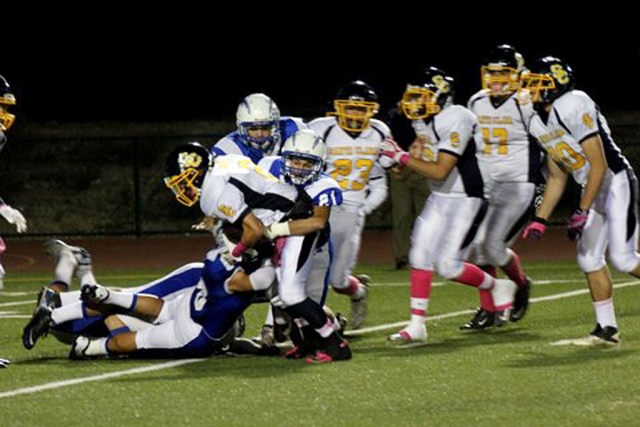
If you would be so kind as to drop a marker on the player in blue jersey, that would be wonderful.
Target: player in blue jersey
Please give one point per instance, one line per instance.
(303, 251)
(261, 129)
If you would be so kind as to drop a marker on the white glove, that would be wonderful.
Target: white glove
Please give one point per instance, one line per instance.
(277, 230)
(230, 246)
(389, 148)
(14, 216)
(4, 363)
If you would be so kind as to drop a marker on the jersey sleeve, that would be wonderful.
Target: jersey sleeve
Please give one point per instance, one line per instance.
(455, 130)
(579, 113)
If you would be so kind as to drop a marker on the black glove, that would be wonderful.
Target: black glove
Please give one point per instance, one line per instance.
(302, 208)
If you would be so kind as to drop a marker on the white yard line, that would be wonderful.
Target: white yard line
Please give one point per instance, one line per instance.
(459, 313)
(169, 365)
(58, 384)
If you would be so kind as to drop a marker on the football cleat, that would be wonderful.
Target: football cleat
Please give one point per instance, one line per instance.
(47, 297)
(360, 306)
(334, 348)
(482, 319)
(521, 302)
(79, 256)
(37, 327)
(410, 334)
(94, 293)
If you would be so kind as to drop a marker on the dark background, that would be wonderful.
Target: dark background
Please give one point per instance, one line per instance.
(142, 69)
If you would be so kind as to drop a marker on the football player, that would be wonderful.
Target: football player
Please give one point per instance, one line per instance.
(303, 254)
(510, 160)
(443, 232)
(13, 216)
(261, 129)
(353, 139)
(577, 138)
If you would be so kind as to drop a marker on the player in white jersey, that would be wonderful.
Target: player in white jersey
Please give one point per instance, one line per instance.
(353, 139)
(303, 250)
(577, 138)
(443, 232)
(13, 216)
(261, 129)
(231, 189)
(510, 162)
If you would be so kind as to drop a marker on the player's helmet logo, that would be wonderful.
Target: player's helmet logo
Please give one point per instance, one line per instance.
(548, 78)
(428, 94)
(186, 167)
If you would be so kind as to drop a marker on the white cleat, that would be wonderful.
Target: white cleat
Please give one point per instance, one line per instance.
(410, 336)
(503, 293)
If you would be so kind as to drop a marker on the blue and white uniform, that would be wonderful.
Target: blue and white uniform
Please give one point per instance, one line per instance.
(305, 260)
(234, 143)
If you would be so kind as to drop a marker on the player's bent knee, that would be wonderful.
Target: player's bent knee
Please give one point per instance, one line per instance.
(449, 269)
(625, 263)
(589, 264)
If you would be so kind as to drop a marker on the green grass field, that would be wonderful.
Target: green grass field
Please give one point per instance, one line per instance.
(508, 376)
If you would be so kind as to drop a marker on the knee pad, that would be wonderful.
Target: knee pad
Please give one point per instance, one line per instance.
(449, 268)
(625, 262)
(590, 263)
(497, 253)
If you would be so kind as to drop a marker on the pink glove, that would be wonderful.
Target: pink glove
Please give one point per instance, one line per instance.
(535, 229)
(576, 224)
(391, 149)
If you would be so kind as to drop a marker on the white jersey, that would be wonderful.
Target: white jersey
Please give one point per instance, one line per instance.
(506, 153)
(451, 131)
(573, 118)
(236, 186)
(350, 160)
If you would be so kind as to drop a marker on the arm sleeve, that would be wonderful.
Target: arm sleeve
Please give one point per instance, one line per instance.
(377, 191)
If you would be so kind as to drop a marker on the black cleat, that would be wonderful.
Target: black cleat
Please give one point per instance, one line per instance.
(334, 348)
(520, 302)
(37, 327)
(47, 297)
(482, 319)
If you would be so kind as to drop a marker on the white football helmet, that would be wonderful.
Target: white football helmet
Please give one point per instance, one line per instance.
(304, 156)
(258, 120)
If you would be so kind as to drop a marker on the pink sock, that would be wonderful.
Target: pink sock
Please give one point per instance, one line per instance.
(513, 270)
(486, 300)
(472, 275)
(420, 290)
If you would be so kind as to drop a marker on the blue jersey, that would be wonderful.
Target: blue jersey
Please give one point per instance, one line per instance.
(324, 190)
(234, 143)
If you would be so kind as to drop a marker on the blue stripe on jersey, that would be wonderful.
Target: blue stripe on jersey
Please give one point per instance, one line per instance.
(277, 168)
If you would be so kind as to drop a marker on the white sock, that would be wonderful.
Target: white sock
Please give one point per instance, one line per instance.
(71, 297)
(65, 268)
(97, 347)
(67, 312)
(605, 313)
(121, 299)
